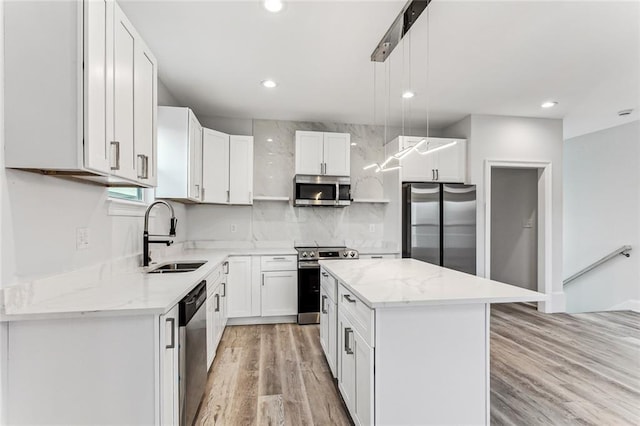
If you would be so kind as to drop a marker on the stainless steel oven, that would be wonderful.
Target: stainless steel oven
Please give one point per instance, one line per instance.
(309, 278)
(331, 191)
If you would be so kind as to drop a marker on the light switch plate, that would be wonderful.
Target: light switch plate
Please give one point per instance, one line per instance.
(234, 227)
(82, 238)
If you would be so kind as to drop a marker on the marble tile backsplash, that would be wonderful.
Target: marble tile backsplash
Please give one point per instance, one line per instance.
(274, 168)
(274, 161)
(279, 221)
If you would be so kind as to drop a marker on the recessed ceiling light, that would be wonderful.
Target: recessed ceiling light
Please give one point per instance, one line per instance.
(273, 5)
(270, 84)
(353, 144)
(549, 104)
(269, 140)
(408, 94)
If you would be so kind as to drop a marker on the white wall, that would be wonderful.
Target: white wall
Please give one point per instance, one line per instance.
(165, 96)
(602, 213)
(232, 126)
(514, 230)
(3, 327)
(515, 139)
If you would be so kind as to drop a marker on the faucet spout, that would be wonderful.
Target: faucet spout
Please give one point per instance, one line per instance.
(145, 237)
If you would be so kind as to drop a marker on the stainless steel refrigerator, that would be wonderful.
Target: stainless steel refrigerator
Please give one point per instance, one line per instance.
(439, 224)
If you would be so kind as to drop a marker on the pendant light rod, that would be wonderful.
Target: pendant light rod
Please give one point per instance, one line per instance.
(398, 29)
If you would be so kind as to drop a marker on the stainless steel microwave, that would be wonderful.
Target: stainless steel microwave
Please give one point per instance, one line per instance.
(330, 191)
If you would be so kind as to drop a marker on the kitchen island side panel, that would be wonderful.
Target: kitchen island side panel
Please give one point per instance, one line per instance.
(99, 371)
(432, 365)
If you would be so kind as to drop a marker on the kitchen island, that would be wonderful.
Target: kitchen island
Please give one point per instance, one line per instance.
(408, 342)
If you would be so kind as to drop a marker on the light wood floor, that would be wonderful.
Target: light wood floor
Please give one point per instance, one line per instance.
(564, 369)
(545, 370)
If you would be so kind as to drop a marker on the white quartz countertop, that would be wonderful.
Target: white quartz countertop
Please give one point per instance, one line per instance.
(132, 292)
(385, 283)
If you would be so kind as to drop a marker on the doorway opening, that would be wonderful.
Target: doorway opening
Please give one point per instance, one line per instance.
(518, 225)
(514, 224)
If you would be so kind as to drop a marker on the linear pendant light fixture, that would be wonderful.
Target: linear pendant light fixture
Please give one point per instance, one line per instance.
(398, 29)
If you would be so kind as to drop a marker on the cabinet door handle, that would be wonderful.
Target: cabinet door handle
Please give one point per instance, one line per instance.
(224, 289)
(263, 280)
(279, 258)
(437, 174)
(173, 333)
(324, 308)
(225, 266)
(349, 298)
(228, 196)
(197, 191)
(433, 174)
(376, 257)
(116, 154)
(203, 193)
(347, 342)
(144, 166)
(217, 296)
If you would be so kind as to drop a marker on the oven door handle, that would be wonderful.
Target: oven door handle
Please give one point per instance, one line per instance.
(308, 265)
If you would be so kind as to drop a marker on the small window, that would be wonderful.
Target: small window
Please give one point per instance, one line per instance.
(131, 194)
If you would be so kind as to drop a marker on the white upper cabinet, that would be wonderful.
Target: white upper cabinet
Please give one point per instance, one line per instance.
(179, 154)
(215, 166)
(337, 154)
(145, 111)
(309, 153)
(194, 165)
(241, 170)
(122, 155)
(320, 153)
(91, 115)
(227, 168)
(437, 160)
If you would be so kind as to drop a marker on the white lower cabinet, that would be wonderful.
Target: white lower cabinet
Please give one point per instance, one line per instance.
(279, 293)
(355, 372)
(169, 409)
(239, 287)
(262, 287)
(329, 320)
(216, 312)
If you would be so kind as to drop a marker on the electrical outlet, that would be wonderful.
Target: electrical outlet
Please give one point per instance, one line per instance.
(82, 238)
(372, 227)
(234, 227)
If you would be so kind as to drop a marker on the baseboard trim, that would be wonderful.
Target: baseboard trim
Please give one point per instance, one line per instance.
(629, 305)
(556, 302)
(286, 319)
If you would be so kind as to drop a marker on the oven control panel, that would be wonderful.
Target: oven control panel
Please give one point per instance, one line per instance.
(327, 253)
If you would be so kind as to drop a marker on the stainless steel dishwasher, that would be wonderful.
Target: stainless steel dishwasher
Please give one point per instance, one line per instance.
(192, 362)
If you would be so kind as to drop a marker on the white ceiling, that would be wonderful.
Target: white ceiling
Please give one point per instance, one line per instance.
(502, 57)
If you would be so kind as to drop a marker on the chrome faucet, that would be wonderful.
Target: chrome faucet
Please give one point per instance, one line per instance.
(145, 238)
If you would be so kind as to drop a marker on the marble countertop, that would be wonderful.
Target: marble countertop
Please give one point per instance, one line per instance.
(385, 283)
(128, 292)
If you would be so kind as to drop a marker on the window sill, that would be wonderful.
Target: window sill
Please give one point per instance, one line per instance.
(118, 207)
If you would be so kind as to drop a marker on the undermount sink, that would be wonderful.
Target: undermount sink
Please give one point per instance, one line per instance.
(175, 267)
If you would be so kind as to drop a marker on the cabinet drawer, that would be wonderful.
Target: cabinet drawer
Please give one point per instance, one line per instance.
(279, 263)
(213, 280)
(379, 256)
(329, 283)
(360, 314)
